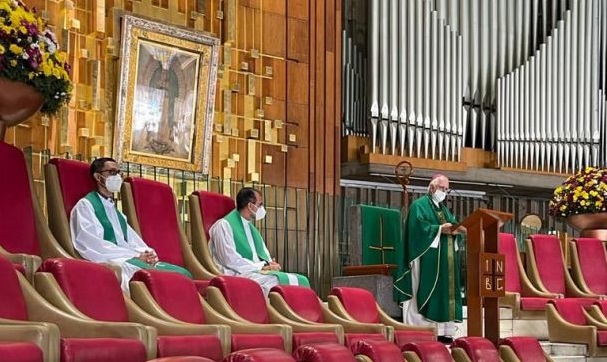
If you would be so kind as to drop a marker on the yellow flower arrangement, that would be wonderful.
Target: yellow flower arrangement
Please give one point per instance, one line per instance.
(583, 193)
(29, 53)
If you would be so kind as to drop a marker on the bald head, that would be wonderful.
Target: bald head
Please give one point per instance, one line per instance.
(438, 181)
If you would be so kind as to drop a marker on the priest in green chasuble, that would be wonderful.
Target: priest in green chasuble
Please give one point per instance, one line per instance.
(239, 250)
(428, 279)
(100, 232)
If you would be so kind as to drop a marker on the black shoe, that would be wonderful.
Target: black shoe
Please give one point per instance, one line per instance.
(445, 339)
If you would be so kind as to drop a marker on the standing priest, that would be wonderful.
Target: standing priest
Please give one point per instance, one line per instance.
(239, 250)
(428, 281)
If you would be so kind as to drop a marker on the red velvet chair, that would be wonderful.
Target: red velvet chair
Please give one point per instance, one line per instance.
(155, 291)
(157, 221)
(569, 322)
(526, 301)
(74, 286)
(547, 269)
(474, 349)
(24, 233)
(82, 339)
(31, 343)
(426, 351)
(242, 300)
(522, 349)
(66, 182)
(302, 305)
(205, 209)
(589, 265)
(359, 305)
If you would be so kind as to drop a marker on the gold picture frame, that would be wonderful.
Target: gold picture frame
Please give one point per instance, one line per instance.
(166, 94)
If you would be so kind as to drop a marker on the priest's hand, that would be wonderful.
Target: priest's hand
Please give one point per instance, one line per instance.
(460, 230)
(148, 257)
(446, 228)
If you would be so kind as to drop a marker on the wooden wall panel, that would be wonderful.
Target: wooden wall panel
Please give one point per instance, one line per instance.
(297, 92)
(298, 39)
(274, 33)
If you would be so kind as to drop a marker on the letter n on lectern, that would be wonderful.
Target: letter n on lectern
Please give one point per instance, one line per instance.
(492, 268)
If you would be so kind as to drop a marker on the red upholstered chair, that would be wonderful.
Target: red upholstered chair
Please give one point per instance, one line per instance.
(569, 322)
(426, 351)
(242, 300)
(66, 182)
(82, 339)
(526, 301)
(547, 270)
(474, 349)
(91, 290)
(173, 297)
(302, 305)
(205, 209)
(151, 209)
(522, 349)
(24, 233)
(29, 342)
(359, 305)
(589, 265)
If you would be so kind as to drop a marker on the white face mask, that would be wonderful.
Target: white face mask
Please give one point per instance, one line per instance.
(260, 213)
(439, 196)
(113, 183)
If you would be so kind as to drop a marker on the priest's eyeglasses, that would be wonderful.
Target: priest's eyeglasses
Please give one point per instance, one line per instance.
(111, 172)
(444, 189)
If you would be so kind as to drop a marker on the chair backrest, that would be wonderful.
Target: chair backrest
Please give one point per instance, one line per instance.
(12, 302)
(478, 349)
(92, 288)
(175, 293)
(527, 349)
(74, 181)
(507, 246)
(155, 208)
(213, 206)
(302, 300)
(593, 263)
(571, 309)
(429, 351)
(549, 262)
(66, 182)
(18, 232)
(244, 296)
(359, 303)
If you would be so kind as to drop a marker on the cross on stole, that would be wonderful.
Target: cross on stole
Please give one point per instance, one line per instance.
(382, 249)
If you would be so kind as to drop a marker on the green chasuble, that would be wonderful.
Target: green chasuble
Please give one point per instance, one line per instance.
(244, 249)
(110, 236)
(439, 296)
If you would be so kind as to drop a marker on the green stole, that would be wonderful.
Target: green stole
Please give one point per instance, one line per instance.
(108, 229)
(438, 293)
(244, 249)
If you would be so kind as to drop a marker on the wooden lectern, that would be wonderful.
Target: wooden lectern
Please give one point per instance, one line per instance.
(485, 272)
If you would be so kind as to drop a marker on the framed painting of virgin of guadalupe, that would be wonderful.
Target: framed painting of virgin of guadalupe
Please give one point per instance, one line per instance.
(165, 95)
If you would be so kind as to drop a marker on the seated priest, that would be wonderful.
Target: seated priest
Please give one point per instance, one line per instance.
(100, 232)
(239, 250)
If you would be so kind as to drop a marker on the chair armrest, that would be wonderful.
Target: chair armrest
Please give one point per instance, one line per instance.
(29, 262)
(279, 304)
(389, 321)
(277, 318)
(49, 246)
(508, 354)
(220, 304)
(214, 317)
(459, 355)
(411, 356)
(596, 313)
(199, 240)
(44, 335)
(591, 321)
(354, 327)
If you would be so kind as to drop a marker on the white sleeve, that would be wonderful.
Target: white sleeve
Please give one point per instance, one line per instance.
(135, 241)
(87, 236)
(436, 240)
(224, 251)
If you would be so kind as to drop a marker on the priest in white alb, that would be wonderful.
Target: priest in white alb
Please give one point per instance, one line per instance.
(100, 232)
(239, 250)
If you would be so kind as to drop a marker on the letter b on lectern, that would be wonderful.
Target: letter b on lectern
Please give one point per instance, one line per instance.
(492, 283)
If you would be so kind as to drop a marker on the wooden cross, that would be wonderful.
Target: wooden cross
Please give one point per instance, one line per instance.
(382, 249)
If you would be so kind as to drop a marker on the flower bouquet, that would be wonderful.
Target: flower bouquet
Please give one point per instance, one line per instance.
(583, 193)
(29, 53)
